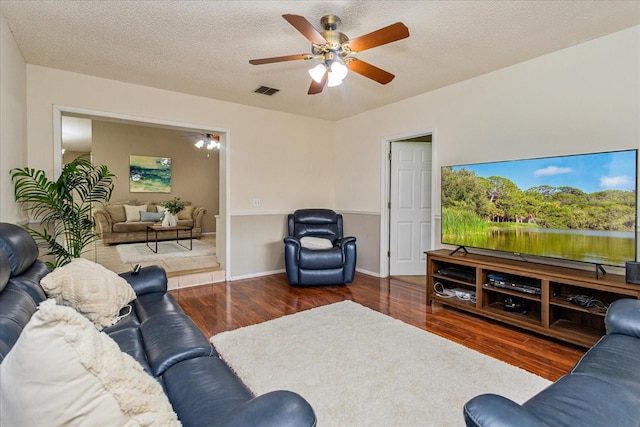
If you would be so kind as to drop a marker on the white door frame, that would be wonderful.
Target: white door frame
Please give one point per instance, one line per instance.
(385, 189)
(224, 160)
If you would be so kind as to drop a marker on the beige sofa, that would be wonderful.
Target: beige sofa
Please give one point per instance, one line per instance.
(119, 222)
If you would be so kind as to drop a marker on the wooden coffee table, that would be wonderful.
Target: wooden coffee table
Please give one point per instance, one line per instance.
(159, 228)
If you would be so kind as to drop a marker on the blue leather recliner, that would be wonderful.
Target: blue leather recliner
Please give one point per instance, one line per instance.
(333, 265)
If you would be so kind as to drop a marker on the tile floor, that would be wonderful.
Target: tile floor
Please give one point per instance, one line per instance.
(182, 272)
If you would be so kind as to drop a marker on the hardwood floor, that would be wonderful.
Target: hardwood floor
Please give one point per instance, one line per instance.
(225, 306)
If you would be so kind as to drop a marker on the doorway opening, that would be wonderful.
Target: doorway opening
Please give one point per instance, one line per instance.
(183, 133)
(407, 218)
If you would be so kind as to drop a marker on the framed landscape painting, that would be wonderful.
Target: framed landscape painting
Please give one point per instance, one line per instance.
(149, 174)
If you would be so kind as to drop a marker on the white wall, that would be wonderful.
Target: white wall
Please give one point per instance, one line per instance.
(264, 142)
(581, 99)
(273, 155)
(13, 120)
(578, 100)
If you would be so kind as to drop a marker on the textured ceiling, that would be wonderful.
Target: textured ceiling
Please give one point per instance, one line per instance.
(203, 47)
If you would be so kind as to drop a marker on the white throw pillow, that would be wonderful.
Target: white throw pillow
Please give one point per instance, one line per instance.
(96, 292)
(133, 212)
(62, 371)
(309, 242)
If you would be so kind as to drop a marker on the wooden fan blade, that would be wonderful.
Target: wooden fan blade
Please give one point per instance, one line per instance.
(318, 87)
(370, 71)
(391, 33)
(301, 24)
(279, 59)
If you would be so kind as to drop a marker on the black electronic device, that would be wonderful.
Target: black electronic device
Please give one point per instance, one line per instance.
(458, 273)
(633, 272)
(515, 305)
(136, 269)
(518, 284)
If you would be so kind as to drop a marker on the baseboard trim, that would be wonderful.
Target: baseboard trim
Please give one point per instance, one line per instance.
(368, 273)
(269, 273)
(254, 275)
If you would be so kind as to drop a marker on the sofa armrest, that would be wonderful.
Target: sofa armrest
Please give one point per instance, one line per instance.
(491, 410)
(103, 220)
(149, 279)
(198, 213)
(623, 317)
(274, 409)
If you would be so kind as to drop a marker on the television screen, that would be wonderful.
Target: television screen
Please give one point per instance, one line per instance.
(579, 207)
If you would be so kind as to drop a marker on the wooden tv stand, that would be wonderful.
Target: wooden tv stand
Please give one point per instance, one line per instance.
(548, 313)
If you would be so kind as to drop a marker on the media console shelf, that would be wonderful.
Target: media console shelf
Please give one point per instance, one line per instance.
(547, 312)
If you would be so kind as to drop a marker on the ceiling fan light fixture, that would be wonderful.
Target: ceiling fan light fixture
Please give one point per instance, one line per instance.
(338, 70)
(333, 81)
(214, 142)
(333, 48)
(210, 142)
(317, 72)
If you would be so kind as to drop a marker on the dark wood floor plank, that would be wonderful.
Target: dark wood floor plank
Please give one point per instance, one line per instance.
(226, 306)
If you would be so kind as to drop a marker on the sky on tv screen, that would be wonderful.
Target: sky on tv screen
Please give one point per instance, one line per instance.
(587, 172)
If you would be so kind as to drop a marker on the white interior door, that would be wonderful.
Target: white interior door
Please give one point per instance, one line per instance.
(410, 212)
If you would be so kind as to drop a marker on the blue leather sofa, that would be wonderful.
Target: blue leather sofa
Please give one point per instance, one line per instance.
(603, 389)
(335, 265)
(202, 389)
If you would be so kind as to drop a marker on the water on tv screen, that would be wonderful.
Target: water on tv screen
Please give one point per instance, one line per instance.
(579, 207)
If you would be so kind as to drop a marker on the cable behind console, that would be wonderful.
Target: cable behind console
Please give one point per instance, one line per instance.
(587, 302)
(443, 292)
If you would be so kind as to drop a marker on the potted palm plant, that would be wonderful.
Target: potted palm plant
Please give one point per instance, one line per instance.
(63, 206)
(173, 207)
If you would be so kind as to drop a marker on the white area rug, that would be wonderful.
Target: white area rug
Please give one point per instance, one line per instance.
(140, 252)
(358, 367)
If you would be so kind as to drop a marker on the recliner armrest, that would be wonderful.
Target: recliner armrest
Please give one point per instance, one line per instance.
(345, 241)
(274, 409)
(293, 240)
(623, 317)
(492, 410)
(149, 279)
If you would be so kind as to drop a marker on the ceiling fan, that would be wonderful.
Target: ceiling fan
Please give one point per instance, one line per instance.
(334, 50)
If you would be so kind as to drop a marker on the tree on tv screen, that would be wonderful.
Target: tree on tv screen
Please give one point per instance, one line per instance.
(473, 202)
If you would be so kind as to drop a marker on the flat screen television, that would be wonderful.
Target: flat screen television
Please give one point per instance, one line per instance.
(577, 207)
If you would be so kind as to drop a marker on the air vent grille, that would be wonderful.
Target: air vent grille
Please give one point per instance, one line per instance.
(265, 90)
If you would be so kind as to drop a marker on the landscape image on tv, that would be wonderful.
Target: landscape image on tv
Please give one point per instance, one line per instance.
(580, 207)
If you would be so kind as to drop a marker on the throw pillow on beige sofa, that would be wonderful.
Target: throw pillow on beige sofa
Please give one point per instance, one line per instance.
(114, 226)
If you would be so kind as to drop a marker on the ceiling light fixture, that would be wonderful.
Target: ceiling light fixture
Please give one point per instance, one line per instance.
(336, 52)
(317, 72)
(337, 72)
(210, 142)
